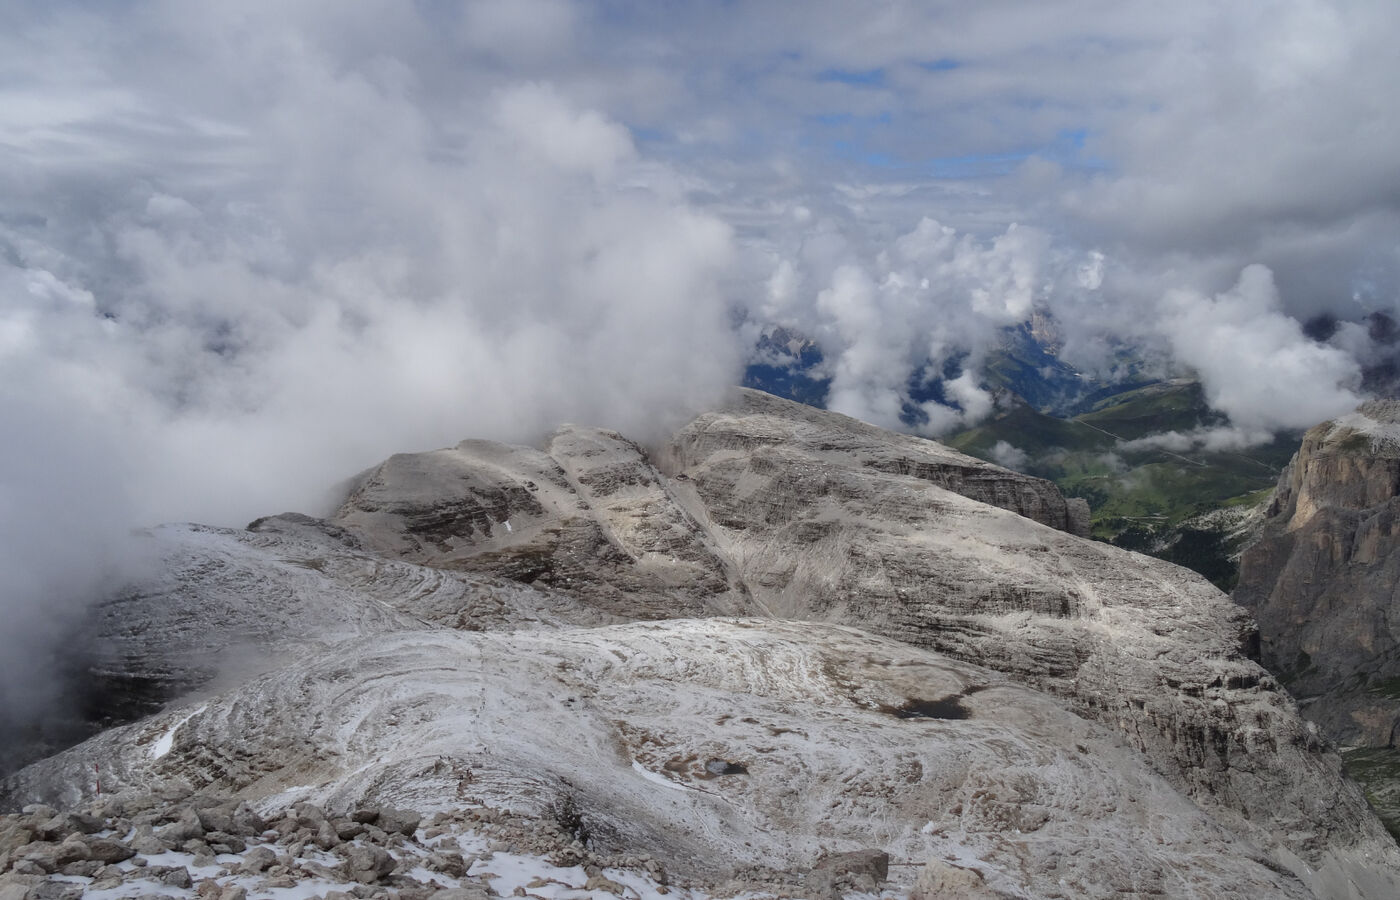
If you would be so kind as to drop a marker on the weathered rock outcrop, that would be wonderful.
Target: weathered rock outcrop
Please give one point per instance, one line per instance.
(719, 746)
(1011, 683)
(1147, 647)
(753, 421)
(589, 514)
(226, 604)
(1323, 580)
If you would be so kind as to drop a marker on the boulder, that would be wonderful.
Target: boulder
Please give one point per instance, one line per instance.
(467, 891)
(367, 865)
(258, 859)
(326, 836)
(940, 880)
(402, 821)
(448, 863)
(62, 825)
(107, 851)
(186, 827)
(55, 890)
(51, 856)
(875, 863)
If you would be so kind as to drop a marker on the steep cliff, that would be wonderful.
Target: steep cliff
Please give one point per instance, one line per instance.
(1323, 580)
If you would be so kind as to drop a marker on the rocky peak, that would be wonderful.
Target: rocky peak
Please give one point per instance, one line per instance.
(753, 420)
(1349, 463)
(1321, 578)
(588, 513)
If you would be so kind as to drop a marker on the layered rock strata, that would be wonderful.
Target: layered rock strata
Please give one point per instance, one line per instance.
(1323, 580)
(752, 421)
(1150, 648)
(589, 514)
(726, 748)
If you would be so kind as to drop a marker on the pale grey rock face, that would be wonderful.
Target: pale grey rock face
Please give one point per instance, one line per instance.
(222, 605)
(835, 739)
(1144, 646)
(1088, 675)
(753, 420)
(1322, 579)
(589, 515)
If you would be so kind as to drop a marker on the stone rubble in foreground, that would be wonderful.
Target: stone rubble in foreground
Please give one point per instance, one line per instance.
(212, 849)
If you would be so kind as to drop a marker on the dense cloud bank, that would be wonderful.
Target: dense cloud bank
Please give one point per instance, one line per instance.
(238, 264)
(247, 249)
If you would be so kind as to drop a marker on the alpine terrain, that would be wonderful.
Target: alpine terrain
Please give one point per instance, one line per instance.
(783, 653)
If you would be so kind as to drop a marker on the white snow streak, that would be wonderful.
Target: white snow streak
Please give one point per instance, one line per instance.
(167, 740)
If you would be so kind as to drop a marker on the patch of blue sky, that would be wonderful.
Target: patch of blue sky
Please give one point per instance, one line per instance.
(1066, 150)
(974, 165)
(853, 152)
(865, 78)
(940, 65)
(844, 119)
(649, 135)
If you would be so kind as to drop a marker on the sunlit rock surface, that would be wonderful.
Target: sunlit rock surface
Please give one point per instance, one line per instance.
(1322, 578)
(1322, 581)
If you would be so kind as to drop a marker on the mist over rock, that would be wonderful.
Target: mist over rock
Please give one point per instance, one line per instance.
(779, 635)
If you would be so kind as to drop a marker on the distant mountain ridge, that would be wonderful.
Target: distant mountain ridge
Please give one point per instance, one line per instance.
(1093, 439)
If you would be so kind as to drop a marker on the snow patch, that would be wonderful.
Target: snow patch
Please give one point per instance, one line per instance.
(1384, 433)
(167, 740)
(655, 778)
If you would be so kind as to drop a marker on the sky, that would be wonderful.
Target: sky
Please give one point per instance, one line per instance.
(248, 249)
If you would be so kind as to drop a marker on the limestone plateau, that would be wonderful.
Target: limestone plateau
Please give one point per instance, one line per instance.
(784, 653)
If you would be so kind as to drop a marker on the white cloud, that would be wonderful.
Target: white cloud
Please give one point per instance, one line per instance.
(1007, 454)
(535, 121)
(367, 267)
(1210, 439)
(935, 297)
(1256, 364)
